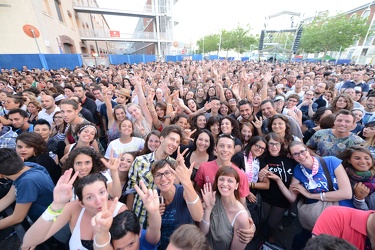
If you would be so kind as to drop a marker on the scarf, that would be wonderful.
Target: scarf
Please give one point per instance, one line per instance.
(315, 167)
(249, 167)
(366, 177)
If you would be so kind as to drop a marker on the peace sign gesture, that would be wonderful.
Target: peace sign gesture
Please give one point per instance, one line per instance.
(182, 172)
(149, 197)
(62, 193)
(102, 221)
(140, 128)
(258, 122)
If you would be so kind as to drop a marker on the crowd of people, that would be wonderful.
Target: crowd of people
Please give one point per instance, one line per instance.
(140, 156)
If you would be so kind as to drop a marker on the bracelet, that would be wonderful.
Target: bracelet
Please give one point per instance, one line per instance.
(54, 212)
(103, 245)
(193, 202)
(357, 199)
(205, 222)
(321, 196)
(324, 196)
(169, 104)
(48, 217)
(252, 185)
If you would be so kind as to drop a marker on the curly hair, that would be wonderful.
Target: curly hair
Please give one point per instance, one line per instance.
(288, 134)
(235, 126)
(97, 165)
(349, 103)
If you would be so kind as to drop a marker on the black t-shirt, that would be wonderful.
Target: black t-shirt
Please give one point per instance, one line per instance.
(282, 166)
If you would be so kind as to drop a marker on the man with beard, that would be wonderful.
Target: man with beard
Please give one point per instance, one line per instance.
(141, 169)
(330, 142)
(369, 114)
(49, 108)
(319, 91)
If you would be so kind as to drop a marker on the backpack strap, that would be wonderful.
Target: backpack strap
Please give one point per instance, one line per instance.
(326, 172)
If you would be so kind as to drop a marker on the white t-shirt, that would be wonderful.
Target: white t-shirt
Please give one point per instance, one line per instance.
(135, 144)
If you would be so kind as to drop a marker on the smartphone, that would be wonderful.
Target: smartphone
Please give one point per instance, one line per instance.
(161, 199)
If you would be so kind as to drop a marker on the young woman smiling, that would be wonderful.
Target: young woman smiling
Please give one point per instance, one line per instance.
(127, 142)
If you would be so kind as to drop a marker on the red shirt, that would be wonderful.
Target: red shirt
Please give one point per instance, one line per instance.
(206, 174)
(344, 222)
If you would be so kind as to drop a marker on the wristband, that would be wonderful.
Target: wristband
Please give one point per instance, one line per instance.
(48, 217)
(324, 196)
(54, 212)
(321, 196)
(360, 200)
(193, 202)
(205, 222)
(103, 245)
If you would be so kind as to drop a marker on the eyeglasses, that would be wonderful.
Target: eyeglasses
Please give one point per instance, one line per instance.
(302, 152)
(57, 117)
(274, 144)
(259, 147)
(290, 100)
(167, 174)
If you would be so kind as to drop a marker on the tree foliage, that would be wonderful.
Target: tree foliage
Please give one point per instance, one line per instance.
(237, 39)
(332, 33)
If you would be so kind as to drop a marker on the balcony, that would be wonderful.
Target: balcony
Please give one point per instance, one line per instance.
(106, 35)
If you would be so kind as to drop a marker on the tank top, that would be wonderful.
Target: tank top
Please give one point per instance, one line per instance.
(75, 241)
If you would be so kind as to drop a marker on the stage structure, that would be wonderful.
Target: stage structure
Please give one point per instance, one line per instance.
(281, 36)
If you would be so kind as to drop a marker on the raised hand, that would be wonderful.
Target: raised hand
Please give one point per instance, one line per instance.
(182, 172)
(102, 221)
(113, 162)
(207, 106)
(258, 122)
(208, 195)
(149, 197)
(62, 193)
(263, 173)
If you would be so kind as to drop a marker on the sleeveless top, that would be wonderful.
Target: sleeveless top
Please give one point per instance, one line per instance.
(220, 234)
(146, 127)
(113, 132)
(75, 241)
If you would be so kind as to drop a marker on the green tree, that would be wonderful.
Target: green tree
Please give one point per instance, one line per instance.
(332, 33)
(237, 39)
(208, 43)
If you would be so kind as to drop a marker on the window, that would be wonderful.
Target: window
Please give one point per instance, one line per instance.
(47, 7)
(364, 52)
(58, 10)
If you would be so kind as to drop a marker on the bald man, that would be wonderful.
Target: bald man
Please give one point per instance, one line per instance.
(49, 108)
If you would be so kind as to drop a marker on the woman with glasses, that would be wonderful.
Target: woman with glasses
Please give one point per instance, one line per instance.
(274, 203)
(253, 151)
(310, 181)
(179, 204)
(291, 108)
(58, 126)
